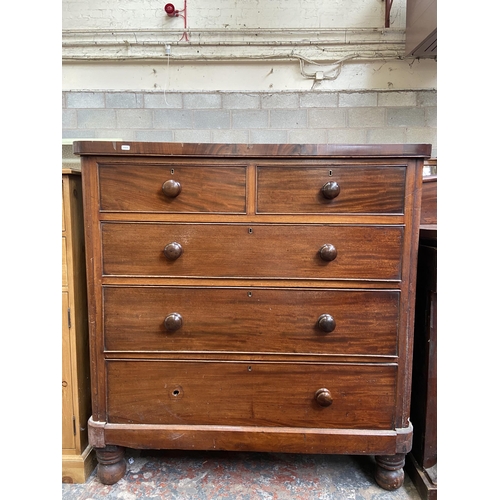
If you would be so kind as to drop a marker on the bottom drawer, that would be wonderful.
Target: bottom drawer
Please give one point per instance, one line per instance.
(256, 394)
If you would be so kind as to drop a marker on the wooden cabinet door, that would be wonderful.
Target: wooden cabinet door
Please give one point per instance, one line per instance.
(68, 436)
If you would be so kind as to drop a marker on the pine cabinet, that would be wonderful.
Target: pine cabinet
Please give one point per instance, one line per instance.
(78, 459)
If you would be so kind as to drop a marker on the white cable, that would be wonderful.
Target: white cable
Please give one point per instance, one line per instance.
(167, 83)
(338, 67)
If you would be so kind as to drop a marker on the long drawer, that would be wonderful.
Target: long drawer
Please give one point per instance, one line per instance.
(249, 251)
(327, 189)
(172, 188)
(256, 394)
(250, 320)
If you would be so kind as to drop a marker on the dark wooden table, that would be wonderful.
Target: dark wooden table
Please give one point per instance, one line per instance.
(421, 463)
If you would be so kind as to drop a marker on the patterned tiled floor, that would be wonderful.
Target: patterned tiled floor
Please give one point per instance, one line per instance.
(158, 475)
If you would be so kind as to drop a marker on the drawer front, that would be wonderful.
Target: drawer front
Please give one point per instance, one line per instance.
(370, 190)
(239, 250)
(250, 320)
(232, 393)
(188, 189)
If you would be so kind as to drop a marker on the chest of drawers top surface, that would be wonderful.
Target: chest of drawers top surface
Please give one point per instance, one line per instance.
(222, 275)
(144, 149)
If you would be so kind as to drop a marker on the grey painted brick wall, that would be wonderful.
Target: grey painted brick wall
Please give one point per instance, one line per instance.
(253, 117)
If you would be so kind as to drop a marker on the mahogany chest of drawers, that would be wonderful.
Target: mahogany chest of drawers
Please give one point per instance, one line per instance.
(251, 297)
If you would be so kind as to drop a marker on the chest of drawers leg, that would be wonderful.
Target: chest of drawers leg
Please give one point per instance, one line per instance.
(251, 298)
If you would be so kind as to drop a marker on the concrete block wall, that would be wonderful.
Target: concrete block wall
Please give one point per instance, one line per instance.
(242, 117)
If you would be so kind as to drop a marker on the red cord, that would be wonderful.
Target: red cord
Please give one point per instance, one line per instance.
(177, 13)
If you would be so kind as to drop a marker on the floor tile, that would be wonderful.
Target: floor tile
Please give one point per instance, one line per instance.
(191, 475)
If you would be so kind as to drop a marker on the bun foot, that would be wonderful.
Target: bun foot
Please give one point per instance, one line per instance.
(389, 473)
(111, 465)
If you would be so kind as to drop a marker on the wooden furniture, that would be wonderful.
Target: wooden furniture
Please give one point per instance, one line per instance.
(428, 216)
(422, 461)
(78, 460)
(251, 297)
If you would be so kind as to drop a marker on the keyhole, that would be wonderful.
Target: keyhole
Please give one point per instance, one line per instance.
(250, 230)
(176, 393)
(172, 171)
(249, 294)
(329, 173)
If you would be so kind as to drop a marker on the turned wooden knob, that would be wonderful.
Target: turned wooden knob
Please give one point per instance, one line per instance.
(173, 322)
(171, 188)
(328, 252)
(173, 250)
(326, 323)
(330, 190)
(323, 397)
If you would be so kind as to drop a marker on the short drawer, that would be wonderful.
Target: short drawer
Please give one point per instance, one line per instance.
(250, 320)
(261, 250)
(347, 189)
(267, 394)
(172, 189)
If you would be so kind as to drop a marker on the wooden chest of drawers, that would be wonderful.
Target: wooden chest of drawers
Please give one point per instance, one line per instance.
(251, 297)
